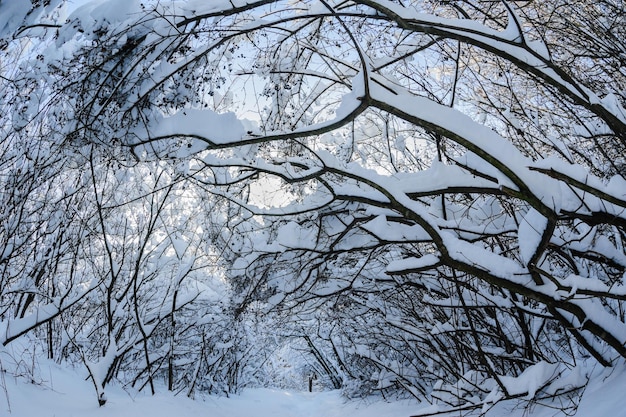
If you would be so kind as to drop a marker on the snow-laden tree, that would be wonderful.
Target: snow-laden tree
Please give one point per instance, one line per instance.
(444, 180)
(105, 260)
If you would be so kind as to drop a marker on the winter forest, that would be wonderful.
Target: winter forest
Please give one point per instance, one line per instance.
(418, 199)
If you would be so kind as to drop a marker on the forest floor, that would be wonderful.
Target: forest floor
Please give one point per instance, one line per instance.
(63, 393)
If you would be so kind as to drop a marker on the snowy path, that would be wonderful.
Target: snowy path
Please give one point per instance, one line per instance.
(63, 393)
(67, 395)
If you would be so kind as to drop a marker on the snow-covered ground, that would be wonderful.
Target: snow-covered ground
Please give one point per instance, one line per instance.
(67, 395)
(64, 393)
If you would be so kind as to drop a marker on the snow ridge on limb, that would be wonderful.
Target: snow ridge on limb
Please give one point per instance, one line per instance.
(198, 124)
(479, 139)
(15, 328)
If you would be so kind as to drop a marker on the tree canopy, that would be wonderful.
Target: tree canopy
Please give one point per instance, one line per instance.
(417, 196)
